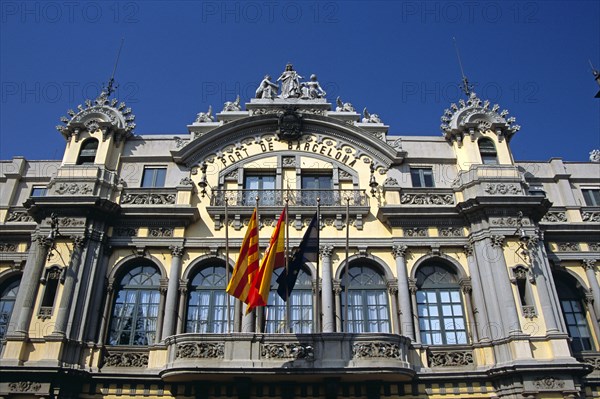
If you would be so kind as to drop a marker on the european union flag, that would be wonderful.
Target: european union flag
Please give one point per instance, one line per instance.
(308, 251)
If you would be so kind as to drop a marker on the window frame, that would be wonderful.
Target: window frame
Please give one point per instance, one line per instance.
(489, 153)
(154, 169)
(42, 189)
(422, 182)
(267, 196)
(438, 289)
(567, 291)
(85, 159)
(591, 196)
(309, 195)
(277, 306)
(137, 290)
(366, 321)
(6, 288)
(213, 290)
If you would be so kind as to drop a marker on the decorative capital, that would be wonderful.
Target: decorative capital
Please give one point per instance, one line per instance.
(497, 241)
(78, 241)
(176, 250)
(393, 288)
(164, 284)
(412, 285)
(45, 241)
(469, 249)
(325, 251)
(399, 250)
(465, 285)
(589, 264)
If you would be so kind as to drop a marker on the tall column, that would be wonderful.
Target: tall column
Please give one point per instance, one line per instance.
(72, 272)
(102, 335)
(248, 320)
(392, 287)
(412, 287)
(467, 289)
(589, 266)
(542, 277)
(406, 318)
(552, 293)
(589, 303)
(40, 245)
(480, 313)
(327, 305)
(497, 290)
(172, 292)
(163, 288)
(337, 291)
(181, 314)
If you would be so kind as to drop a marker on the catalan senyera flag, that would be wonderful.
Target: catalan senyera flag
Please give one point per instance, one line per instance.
(274, 259)
(247, 264)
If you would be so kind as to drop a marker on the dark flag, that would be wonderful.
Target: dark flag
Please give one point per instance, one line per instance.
(308, 251)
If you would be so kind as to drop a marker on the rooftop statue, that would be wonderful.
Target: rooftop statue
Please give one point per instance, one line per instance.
(204, 117)
(343, 107)
(232, 105)
(370, 118)
(312, 89)
(267, 89)
(290, 83)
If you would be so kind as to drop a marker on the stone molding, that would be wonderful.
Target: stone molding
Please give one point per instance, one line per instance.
(24, 386)
(450, 358)
(125, 359)
(427, 199)
(375, 350)
(555, 217)
(204, 350)
(287, 351)
(154, 198)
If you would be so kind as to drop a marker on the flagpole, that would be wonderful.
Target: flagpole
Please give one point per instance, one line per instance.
(318, 296)
(256, 316)
(346, 264)
(288, 327)
(227, 262)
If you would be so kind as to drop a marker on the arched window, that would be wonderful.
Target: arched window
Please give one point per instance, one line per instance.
(439, 306)
(135, 310)
(487, 150)
(87, 154)
(574, 312)
(8, 294)
(207, 301)
(301, 306)
(368, 305)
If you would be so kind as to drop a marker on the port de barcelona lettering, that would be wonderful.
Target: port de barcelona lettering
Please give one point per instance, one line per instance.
(232, 154)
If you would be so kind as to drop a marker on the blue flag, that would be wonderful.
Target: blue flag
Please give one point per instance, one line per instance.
(308, 251)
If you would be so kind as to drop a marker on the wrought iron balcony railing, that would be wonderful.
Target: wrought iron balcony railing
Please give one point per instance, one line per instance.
(302, 197)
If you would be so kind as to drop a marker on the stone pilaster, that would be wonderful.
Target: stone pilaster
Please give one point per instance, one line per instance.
(72, 272)
(327, 304)
(403, 297)
(590, 271)
(32, 273)
(172, 292)
(480, 312)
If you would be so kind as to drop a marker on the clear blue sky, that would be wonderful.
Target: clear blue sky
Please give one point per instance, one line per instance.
(396, 58)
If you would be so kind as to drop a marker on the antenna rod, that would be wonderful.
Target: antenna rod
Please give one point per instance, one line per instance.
(465, 82)
(109, 86)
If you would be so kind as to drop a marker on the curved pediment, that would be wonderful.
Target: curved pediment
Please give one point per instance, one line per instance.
(323, 135)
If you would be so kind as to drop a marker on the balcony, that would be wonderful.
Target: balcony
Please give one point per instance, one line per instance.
(301, 203)
(385, 356)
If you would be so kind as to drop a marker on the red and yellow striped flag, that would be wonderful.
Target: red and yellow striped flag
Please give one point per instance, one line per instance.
(274, 258)
(246, 265)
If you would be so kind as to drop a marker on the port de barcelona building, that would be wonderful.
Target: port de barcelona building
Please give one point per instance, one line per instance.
(441, 268)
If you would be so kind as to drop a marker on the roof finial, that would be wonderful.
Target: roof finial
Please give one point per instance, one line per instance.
(596, 74)
(110, 86)
(466, 86)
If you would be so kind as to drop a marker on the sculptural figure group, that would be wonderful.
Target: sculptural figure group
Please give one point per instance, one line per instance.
(291, 87)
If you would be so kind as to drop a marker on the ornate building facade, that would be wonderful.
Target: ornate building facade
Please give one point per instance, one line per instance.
(467, 274)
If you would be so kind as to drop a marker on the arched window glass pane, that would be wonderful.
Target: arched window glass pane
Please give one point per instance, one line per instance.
(368, 304)
(439, 306)
(487, 150)
(574, 313)
(301, 306)
(135, 311)
(207, 302)
(8, 294)
(88, 151)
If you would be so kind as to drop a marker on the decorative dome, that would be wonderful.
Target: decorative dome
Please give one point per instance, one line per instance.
(102, 114)
(473, 115)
